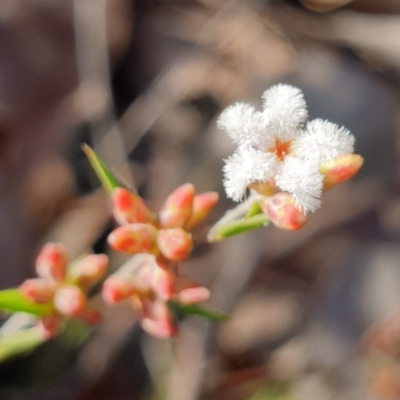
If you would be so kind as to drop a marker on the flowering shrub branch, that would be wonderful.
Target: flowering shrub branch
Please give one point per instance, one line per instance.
(282, 161)
(285, 162)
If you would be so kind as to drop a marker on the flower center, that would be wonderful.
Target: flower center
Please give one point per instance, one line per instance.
(280, 149)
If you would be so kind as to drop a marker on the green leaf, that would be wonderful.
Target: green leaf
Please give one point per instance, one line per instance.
(106, 178)
(182, 310)
(238, 226)
(278, 391)
(254, 209)
(12, 300)
(19, 342)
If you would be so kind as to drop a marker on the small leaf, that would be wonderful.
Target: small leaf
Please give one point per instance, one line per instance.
(254, 209)
(239, 226)
(12, 300)
(106, 178)
(20, 342)
(182, 310)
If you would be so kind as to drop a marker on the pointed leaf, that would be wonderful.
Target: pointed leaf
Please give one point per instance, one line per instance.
(106, 178)
(181, 310)
(12, 300)
(20, 342)
(235, 227)
(254, 209)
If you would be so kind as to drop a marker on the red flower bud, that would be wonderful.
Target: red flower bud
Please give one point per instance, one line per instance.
(52, 262)
(178, 207)
(283, 212)
(90, 316)
(174, 244)
(129, 208)
(134, 238)
(38, 290)
(117, 288)
(202, 205)
(69, 300)
(88, 270)
(163, 282)
(159, 323)
(193, 295)
(190, 292)
(49, 326)
(340, 169)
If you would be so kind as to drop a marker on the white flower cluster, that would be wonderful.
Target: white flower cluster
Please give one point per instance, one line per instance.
(276, 144)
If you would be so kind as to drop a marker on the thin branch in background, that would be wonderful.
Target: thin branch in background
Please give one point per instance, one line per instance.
(90, 21)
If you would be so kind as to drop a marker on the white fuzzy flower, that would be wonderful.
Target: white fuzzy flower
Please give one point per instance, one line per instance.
(303, 181)
(245, 166)
(285, 107)
(273, 146)
(243, 124)
(323, 141)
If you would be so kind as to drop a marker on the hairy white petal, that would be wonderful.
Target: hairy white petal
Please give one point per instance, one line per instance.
(245, 166)
(303, 181)
(323, 141)
(243, 124)
(285, 107)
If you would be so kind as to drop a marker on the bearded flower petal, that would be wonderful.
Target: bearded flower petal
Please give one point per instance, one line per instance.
(245, 166)
(303, 181)
(244, 125)
(286, 109)
(323, 141)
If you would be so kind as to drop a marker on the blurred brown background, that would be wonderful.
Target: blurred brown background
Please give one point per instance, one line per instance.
(143, 82)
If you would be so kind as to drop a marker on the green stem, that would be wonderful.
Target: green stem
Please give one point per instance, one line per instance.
(239, 226)
(20, 342)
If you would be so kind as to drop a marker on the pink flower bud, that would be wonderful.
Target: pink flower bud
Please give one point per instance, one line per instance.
(134, 238)
(340, 169)
(178, 207)
(49, 326)
(38, 290)
(52, 262)
(117, 288)
(163, 281)
(159, 323)
(88, 270)
(202, 205)
(129, 208)
(190, 292)
(90, 316)
(281, 209)
(174, 244)
(69, 300)
(193, 295)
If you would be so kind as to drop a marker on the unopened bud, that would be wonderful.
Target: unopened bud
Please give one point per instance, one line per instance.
(190, 292)
(202, 205)
(178, 207)
(282, 211)
(160, 323)
(134, 238)
(340, 169)
(90, 316)
(49, 326)
(52, 262)
(129, 208)
(163, 281)
(116, 288)
(88, 270)
(38, 290)
(174, 244)
(193, 295)
(69, 300)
